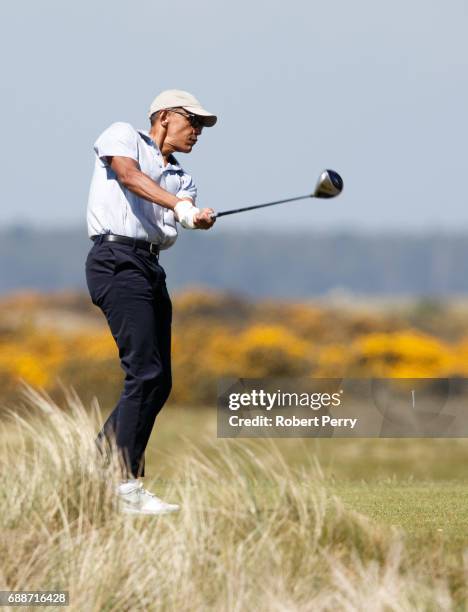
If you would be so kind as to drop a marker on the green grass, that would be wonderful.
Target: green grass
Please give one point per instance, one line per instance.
(429, 508)
(418, 485)
(363, 459)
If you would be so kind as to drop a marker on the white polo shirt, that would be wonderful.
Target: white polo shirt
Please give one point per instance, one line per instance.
(114, 209)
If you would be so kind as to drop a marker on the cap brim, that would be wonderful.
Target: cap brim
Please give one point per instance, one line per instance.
(208, 118)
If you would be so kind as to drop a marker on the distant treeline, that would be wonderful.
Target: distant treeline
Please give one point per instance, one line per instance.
(277, 265)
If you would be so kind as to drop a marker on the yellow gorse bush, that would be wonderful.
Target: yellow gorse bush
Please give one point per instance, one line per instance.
(406, 354)
(40, 357)
(218, 336)
(34, 357)
(270, 350)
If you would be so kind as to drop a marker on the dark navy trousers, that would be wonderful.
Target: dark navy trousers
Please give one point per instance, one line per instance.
(128, 285)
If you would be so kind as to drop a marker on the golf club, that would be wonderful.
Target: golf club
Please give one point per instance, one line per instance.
(329, 185)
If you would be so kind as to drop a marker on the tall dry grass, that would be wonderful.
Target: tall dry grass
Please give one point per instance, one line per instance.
(251, 535)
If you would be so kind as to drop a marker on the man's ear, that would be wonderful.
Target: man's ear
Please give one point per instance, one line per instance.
(163, 117)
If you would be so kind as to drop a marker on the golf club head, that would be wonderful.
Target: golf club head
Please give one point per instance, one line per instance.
(329, 185)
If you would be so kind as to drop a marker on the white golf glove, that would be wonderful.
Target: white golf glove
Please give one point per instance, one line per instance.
(185, 213)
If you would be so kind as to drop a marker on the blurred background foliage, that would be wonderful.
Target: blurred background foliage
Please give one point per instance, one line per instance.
(52, 339)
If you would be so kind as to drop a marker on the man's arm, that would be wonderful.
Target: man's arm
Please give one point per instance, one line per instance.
(131, 177)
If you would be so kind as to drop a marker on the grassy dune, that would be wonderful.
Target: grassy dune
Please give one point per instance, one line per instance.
(265, 525)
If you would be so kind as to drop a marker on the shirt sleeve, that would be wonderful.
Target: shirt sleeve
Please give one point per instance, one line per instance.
(120, 139)
(188, 188)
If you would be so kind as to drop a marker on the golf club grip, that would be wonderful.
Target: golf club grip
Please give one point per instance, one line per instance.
(238, 210)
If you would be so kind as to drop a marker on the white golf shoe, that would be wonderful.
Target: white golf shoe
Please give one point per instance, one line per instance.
(134, 499)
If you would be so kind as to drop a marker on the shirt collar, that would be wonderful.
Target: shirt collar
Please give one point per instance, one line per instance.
(172, 164)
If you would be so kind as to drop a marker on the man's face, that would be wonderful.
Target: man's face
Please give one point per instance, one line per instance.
(181, 134)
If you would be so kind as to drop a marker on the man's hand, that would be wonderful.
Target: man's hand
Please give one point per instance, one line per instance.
(191, 217)
(203, 219)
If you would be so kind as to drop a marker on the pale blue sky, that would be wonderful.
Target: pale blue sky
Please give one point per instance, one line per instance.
(377, 91)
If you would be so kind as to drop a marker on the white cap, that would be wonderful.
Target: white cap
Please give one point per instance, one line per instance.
(173, 98)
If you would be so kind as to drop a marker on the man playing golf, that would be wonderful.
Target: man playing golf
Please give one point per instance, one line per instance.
(138, 193)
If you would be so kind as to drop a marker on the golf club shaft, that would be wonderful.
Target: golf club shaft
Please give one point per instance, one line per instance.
(238, 210)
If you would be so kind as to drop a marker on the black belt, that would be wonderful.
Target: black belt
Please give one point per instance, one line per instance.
(152, 247)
